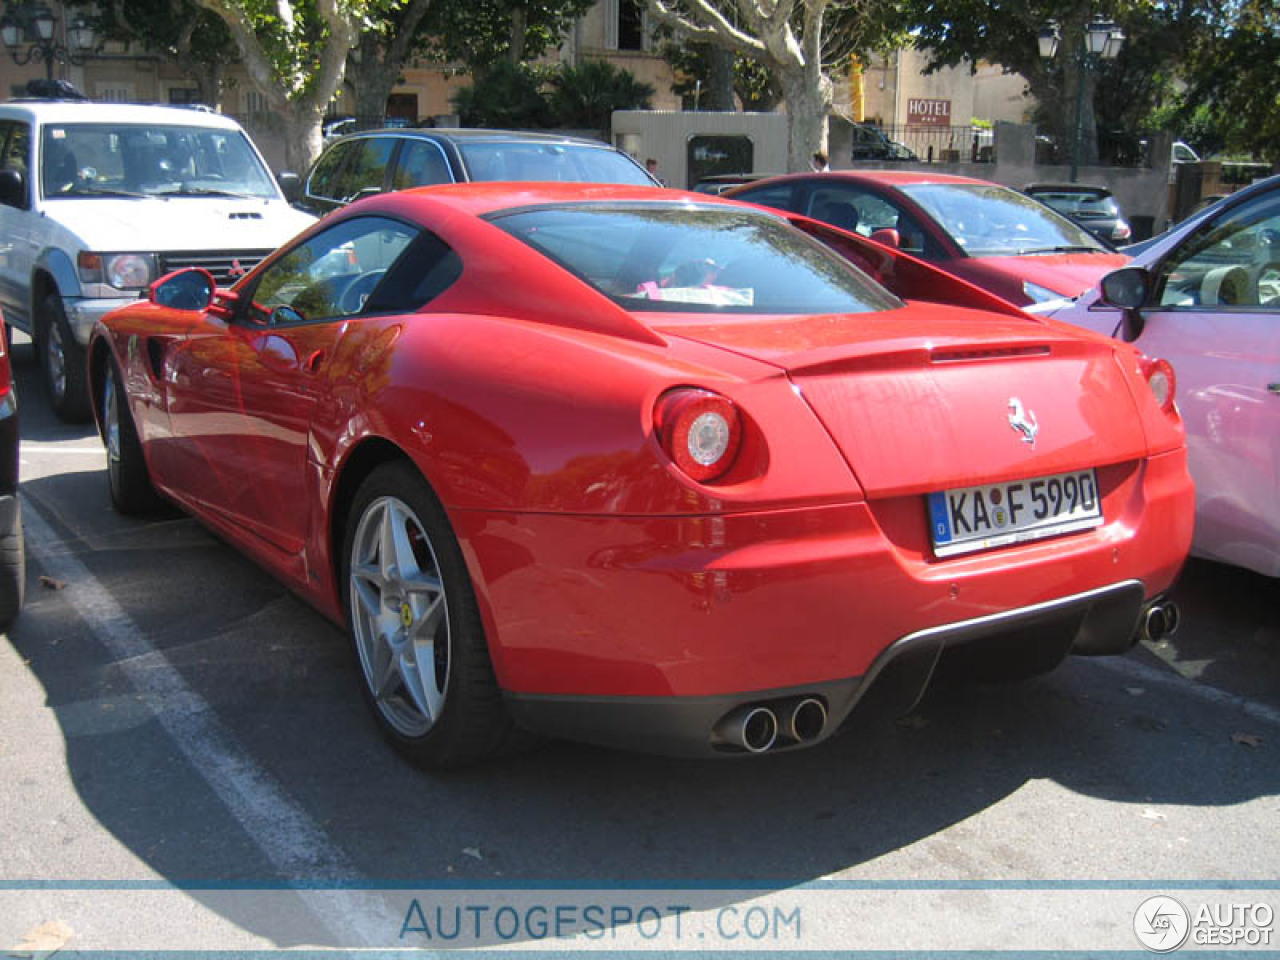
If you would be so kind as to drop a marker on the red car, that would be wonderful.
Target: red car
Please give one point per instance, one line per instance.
(994, 237)
(657, 470)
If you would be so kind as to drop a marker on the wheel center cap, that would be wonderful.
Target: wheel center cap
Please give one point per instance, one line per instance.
(406, 615)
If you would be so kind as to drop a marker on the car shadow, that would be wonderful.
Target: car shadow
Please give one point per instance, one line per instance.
(280, 681)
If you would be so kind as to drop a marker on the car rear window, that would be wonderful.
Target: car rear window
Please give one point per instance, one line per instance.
(1080, 204)
(551, 162)
(690, 258)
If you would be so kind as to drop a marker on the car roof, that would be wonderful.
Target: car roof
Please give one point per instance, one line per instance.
(890, 178)
(85, 111)
(475, 135)
(480, 198)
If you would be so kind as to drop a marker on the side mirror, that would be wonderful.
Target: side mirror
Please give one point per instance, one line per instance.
(888, 236)
(1127, 289)
(189, 289)
(290, 186)
(13, 188)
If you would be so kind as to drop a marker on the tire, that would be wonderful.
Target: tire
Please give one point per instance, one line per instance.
(424, 661)
(61, 362)
(13, 569)
(127, 479)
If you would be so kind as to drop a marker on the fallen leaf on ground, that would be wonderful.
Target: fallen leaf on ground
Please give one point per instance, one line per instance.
(46, 939)
(49, 583)
(1246, 739)
(1149, 814)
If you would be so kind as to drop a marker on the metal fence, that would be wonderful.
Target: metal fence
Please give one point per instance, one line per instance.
(930, 144)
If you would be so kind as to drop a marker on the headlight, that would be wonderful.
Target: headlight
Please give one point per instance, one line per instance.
(124, 271)
(1037, 293)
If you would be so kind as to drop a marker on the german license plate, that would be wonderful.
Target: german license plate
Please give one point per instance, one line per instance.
(999, 514)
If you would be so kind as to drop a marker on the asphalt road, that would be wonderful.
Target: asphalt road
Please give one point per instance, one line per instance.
(171, 715)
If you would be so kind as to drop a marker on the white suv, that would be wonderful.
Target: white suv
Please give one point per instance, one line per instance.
(97, 200)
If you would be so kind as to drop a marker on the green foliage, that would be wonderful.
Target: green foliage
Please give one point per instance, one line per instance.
(509, 96)
(585, 97)
(1232, 101)
(520, 96)
(755, 85)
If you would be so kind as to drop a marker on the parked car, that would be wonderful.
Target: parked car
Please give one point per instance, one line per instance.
(12, 553)
(1206, 297)
(718, 183)
(871, 143)
(97, 200)
(379, 161)
(997, 238)
(1093, 207)
(625, 465)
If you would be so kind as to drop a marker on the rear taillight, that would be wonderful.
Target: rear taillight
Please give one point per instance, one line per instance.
(1161, 380)
(699, 430)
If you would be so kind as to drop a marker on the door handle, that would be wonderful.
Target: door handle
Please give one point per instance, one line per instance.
(314, 360)
(1274, 388)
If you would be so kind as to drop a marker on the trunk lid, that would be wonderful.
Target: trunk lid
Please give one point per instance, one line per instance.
(928, 398)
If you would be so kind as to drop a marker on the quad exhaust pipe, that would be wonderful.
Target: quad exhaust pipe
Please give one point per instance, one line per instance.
(753, 729)
(806, 720)
(1159, 620)
(756, 728)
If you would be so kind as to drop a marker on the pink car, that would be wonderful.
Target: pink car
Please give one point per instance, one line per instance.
(1206, 297)
(996, 238)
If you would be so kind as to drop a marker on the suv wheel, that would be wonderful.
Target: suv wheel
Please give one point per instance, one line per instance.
(62, 362)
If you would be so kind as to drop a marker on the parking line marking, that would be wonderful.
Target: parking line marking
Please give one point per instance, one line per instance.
(1176, 681)
(287, 836)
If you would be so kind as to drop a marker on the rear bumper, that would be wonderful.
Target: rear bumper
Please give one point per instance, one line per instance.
(1102, 621)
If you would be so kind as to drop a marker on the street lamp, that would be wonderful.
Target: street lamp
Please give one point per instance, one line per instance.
(1102, 40)
(22, 23)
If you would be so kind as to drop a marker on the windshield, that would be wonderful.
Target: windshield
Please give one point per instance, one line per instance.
(551, 162)
(989, 220)
(104, 159)
(694, 259)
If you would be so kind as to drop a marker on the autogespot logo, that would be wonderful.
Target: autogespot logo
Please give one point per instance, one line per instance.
(1161, 924)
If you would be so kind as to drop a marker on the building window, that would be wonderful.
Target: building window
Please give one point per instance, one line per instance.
(117, 93)
(630, 25)
(184, 95)
(255, 102)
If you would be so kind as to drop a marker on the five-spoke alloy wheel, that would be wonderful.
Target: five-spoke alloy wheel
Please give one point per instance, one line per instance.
(415, 625)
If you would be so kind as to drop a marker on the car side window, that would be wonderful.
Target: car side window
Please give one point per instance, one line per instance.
(332, 275)
(780, 196)
(321, 183)
(15, 140)
(863, 212)
(366, 171)
(421, 163)
(1233, 261)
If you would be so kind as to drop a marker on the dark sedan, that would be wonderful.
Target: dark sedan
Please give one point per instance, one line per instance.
(1093, 207)
(380, 161)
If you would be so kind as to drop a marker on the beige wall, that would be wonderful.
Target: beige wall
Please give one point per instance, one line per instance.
(989, 94)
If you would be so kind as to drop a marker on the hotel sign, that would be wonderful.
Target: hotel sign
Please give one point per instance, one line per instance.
(929, 113)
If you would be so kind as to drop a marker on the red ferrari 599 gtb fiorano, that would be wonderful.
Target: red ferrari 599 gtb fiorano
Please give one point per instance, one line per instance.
(656, 470)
